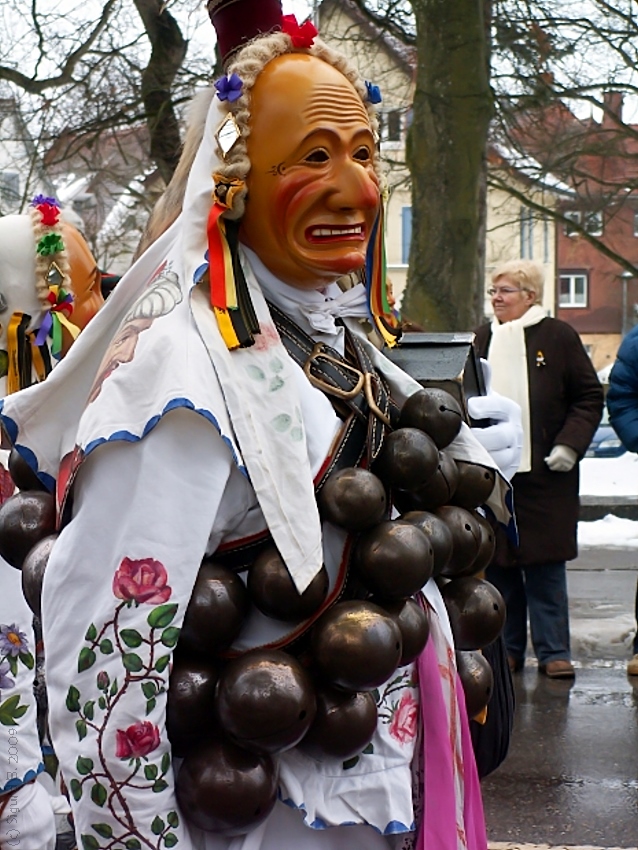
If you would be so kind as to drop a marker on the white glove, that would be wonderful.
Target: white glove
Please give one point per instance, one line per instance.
(28, 822)
(561, 459)
(504, 439)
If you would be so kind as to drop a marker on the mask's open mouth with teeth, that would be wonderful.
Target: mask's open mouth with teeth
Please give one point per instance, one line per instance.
(336, 232)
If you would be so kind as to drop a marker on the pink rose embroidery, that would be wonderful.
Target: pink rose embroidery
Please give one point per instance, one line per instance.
(404, 721)
(137, 741)
(142, 581)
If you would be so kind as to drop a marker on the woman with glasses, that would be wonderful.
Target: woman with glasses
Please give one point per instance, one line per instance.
(540, 363)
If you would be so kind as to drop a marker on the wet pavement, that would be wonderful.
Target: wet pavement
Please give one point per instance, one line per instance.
(571, 776)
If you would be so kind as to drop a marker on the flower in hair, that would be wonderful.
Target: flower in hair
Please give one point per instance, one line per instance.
(229, 88)
(50, 214)
(374, 93)
(50, 244)
(302, 35)
(44, 199)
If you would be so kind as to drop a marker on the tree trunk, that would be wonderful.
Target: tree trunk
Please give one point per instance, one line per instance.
(168, 51)
(446, 156)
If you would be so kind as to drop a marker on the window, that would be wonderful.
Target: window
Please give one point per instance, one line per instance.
(591, 221)
(526, 218)
(391, 125)
(572, 290)
(9, 188)
(571, 215)
(406, 233)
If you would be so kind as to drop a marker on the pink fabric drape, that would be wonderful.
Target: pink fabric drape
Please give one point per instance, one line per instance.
(449, 765)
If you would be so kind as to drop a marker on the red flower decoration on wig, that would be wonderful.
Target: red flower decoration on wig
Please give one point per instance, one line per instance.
(144, 580)
(302, 35)
(137, 741)
(50, 214)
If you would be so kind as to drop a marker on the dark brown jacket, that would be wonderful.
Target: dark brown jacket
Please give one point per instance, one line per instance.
(566, 403)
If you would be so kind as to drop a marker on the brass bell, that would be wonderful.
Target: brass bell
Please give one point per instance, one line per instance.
(273, 591)
(477, 679)
(466, 540)
(476, 610)
(413, 624)
(487, 546)
(344, 724)
(438, 533)
(215, 612)
(408, 459)
(438, 491)
(394, 559)
(434, 411)
(225, 789)
(265, 701)
(33, 569)
(356, 646)
(190, 714)
(474, 486)
(352, 498)
(23, 476)
(25, 518)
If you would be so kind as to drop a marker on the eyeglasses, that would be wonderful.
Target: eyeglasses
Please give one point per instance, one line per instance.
(502, 290)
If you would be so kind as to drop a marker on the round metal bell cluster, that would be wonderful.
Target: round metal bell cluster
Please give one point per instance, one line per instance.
(230, 715)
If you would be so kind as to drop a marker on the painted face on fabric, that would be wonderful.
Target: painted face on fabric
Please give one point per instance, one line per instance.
(313, 195)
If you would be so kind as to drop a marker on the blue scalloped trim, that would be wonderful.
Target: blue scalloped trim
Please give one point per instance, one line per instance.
(48, 480)
(29, 776)
(394, 827)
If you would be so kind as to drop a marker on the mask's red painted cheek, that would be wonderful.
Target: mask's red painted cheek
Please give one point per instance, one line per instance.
(295, 194)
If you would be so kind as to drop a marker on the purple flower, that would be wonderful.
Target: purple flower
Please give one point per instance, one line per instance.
(229, 88)
(374, 93)
(43, 199)
(12, 640)
(5, 681)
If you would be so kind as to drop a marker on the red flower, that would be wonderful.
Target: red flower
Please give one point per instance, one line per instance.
(138, 740)
(404, 722)
(302, 36)
(142, 581)
(49, 213)
(7, 486)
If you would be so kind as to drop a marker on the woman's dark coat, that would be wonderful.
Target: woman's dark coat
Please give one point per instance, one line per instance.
(566, 403)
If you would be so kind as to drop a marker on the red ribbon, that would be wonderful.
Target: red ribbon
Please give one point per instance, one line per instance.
(302, 35)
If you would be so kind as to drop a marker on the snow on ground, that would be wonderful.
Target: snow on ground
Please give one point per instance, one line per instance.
(615, 477)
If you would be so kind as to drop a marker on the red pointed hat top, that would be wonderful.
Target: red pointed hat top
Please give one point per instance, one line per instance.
(238, 21)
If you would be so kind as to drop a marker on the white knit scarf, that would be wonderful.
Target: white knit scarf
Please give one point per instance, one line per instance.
(508, 358)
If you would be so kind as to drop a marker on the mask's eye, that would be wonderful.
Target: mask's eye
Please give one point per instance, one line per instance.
(317, 156)
(362, 154)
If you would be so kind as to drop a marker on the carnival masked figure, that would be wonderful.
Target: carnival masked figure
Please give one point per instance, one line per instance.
(198, 423)
(49, 290)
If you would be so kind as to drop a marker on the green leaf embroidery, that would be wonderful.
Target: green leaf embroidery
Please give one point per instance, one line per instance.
(276, 384)
(149, 689)
(350, 763)
(91, 633)
(86, 659)
(276, 365)
(133, 844)
(162, 616)
(296, 434)
(80, 725)
(88, 709)
(172, 817)
(73, 699)
(27, 660)
(106, 647)
(12, 661)
(150, 771)
(132, 662)
(84, 765)
(162, 663)
(170, 636)
(159, 786)
(170, 839)
(282, 422)
(165, 766)
(98, 794)
(256, 373)
(10, 710)
(102, 829)
(131, 637)
(157, 827)
(90, 842)
(150, 705)
(76, 789)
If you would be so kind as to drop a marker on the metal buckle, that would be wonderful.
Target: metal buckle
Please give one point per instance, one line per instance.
(372, 404)
(318, 352)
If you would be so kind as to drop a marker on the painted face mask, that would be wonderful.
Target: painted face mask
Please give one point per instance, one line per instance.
(313, 194)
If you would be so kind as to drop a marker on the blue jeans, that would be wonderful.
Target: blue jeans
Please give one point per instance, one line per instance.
(541, 591)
